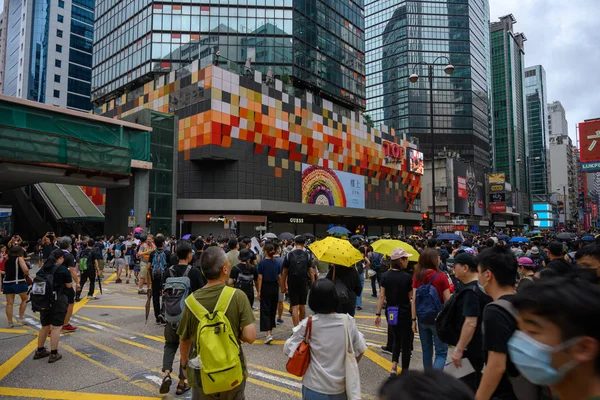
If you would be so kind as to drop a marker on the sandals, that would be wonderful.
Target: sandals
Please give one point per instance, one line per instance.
(182, 389)
(166, 384)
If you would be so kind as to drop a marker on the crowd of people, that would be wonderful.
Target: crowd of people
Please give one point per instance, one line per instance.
(522, 320)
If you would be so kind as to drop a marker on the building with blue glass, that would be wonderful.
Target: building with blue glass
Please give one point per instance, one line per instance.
(48, 55)
(401, 36)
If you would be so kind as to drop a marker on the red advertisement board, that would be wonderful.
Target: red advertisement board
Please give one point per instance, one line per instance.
(462, 187)
(497, 207)
(589, 141)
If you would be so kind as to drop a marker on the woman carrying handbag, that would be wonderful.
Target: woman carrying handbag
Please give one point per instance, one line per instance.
(332, 372)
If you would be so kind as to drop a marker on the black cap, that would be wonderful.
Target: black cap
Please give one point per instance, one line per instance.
(556, 248)
(245, 255)
(465, 259)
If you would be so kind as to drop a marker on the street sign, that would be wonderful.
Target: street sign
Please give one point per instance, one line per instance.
(131, 221)
(260, 228)
(131, 212)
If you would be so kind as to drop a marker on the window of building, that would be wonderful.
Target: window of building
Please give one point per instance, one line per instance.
(61, 3)
(57, 94)
(59, 33)
(58, 48)
(57, 63)
(60, 18)
(56, 78)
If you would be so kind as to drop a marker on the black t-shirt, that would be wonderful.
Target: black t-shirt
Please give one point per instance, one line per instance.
(472, 302)
(498, 328)
(269, 269)
(297, 254)
(557, 267)
(47, 249)
(398, 286)
(167, 258)
(235, 271)
(61, 276)
(69, 261)
(196, 278)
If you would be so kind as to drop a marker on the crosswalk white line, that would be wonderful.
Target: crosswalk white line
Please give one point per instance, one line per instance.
(277, 379)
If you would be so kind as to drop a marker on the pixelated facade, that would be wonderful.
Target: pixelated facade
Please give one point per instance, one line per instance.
(239, 138)
(96, 195)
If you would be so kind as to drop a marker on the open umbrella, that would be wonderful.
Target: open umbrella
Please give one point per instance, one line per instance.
(336, 251)
(449, 236)
(309, 235)
(503, 237)
(187, 237)
(588, 238)
(373, 237)
(269, 236)
(518, 239)
(387, 246)
(357, 237)
(564, 236)
(286, 236)
(534, 233)
(338, 229)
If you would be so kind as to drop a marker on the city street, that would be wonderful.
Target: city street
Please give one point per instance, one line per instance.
(115, 355)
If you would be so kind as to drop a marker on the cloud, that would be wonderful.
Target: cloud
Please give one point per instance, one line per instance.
(562, 36)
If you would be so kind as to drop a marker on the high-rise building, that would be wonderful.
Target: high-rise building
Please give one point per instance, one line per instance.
(564, 177)
(509, 140)
(538, 141)
(401, 35)
(557, 119)
(49, 51)
(3, 33)
(316, 45)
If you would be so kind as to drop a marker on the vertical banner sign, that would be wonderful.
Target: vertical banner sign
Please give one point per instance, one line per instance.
(589, 145)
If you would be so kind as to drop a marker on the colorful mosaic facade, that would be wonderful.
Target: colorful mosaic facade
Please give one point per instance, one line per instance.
(239, 138)
(96, 195)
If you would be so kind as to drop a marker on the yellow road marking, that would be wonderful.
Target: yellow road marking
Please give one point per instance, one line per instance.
(85, 328)
(121, 355)
(64, 395)
(17, 359)
(275, 372)
(111, 278)
(141, 346)
(117, 307)
(377, 359)
(273, 342)
(274, 387)
(15, 331)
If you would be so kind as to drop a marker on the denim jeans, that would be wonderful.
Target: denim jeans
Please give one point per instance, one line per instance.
(375, 280)
(429, 339)
(362, 284)
(308, 394)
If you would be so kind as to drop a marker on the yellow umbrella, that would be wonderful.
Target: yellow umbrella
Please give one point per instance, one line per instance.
(336, 251)
(386, 246)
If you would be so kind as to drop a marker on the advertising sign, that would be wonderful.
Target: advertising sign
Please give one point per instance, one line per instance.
(497, 197)
(415, 162)
(328, 187)
(497, 187)
(497, 207)
(589, 141)
(394, 155)
(497, 178)
(591, 166)
(469, 194)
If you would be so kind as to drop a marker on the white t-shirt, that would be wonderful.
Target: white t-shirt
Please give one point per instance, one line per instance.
(326, 371)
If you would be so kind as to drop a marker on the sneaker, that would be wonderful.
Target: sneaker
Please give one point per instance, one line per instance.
(268, 339)
(92, 298)
(68, 328)
(20, 321)
(41, 354)
(279, 321)
(127, 281)
(11, 325)
(54, 358)
(386, 350)
(255, 308)
(118, 281)
(373, 295)
(359, 308)
(77, 299)
(142, 291)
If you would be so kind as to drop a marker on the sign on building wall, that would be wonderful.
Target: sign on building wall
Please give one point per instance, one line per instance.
(589, 142)
(325, 186)
(469, 197)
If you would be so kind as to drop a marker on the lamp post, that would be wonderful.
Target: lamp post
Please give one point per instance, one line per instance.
(413, 78)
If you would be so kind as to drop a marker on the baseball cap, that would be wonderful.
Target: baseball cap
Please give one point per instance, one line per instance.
(556, 248)
(399, 253)
(465, 259)
(526, 262)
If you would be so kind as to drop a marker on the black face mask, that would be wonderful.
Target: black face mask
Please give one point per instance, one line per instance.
(590, 275)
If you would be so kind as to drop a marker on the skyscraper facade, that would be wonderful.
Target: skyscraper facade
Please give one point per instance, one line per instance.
(538, 138)
(401, 35)
(557, 119)
(315, 44)
(3, 34)
(49, 51)
(564, 177)
(509, 141)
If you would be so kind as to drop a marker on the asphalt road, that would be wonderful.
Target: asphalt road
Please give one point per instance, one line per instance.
(115, 355)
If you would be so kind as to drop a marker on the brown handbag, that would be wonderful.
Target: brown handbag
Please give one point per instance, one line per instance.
(298, 363)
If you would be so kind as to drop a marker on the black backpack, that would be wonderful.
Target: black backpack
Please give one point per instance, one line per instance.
(245, 281)
(298, 263)
(449, 321)
(43, 292)
(344, 294)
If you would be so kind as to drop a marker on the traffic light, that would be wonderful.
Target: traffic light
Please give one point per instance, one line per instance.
(148, 220)
(426, 222)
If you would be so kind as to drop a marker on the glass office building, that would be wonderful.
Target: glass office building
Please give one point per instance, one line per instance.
(401, 35)
(538, 142)
(314, 44)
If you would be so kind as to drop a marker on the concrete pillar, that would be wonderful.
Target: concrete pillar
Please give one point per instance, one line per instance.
(119, 201)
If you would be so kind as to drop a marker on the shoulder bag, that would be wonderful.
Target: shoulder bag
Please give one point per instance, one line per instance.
(298, 363)
(352, 373)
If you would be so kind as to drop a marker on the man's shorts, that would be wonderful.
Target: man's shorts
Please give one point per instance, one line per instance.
(144, 270)
(70, 292)
(56, 315)
(101, 264)
(298, 291)
(119, 263)
(281, 297)
(14, 288)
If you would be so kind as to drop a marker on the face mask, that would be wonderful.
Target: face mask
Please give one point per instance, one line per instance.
(590, 275)
(482, 287)
(534, 359)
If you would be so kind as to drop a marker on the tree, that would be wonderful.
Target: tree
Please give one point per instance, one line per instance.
(368, 120)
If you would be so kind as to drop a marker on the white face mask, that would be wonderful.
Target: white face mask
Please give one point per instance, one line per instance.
(482, 286)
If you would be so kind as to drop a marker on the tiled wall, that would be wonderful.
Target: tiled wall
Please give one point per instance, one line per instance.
(96, 195)
(239, 138)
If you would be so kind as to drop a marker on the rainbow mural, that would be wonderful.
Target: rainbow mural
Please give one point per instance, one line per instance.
(327, 187)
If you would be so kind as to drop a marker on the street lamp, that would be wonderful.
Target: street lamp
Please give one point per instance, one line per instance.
(413, 78)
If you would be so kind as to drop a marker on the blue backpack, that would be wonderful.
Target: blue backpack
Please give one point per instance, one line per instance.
(428, 303)
(376, 261)
(159, 263)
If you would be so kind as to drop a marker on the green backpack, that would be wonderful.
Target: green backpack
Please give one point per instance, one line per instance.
(83, 260)
(217, 345)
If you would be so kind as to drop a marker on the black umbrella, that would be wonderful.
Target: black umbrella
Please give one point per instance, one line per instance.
(100, 283)
(564, 236)
(286, 236)
(309, 235)
(148, 301)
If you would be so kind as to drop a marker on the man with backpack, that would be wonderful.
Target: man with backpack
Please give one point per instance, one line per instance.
(376, 260)
(88, 267)
(244, 275)
(158, 263)
(118, 253)
(178, 283)
(216, 369)
(298, 273)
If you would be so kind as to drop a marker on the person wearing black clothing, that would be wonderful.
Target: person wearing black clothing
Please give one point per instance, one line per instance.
(497, 267)
(247, 259)
(15, 283)
(64, 244)
(298, 272)
(346, 279)
(92, 256)
(396, 289)
(267, 287)
(471, 302)
(557, 266)
(159, 242)
(184, 257)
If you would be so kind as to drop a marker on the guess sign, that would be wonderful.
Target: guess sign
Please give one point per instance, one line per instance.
(394, 151)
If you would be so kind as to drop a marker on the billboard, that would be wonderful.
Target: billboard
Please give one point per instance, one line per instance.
(469, 192)
(328, 187)
(497, 178)
(589, 141)
(497, 197)
(415, 162)
(497, 207)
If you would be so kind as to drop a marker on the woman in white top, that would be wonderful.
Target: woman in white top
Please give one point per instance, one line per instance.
(325, 377)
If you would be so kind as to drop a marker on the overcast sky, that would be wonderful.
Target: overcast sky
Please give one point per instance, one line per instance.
(563, 36)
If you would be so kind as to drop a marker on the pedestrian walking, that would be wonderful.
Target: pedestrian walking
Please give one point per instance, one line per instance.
(118, 253)
(298, 271)
(325, 377)
(430, 290)
(347, 282)
(269, 277)
(158, 263)
(145, 275)
(88, 269)
(244, 276)
(396, 290)
(64, 243)
(15, 283)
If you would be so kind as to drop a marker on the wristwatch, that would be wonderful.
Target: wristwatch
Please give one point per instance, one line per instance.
(414, 319)
(378, 314)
